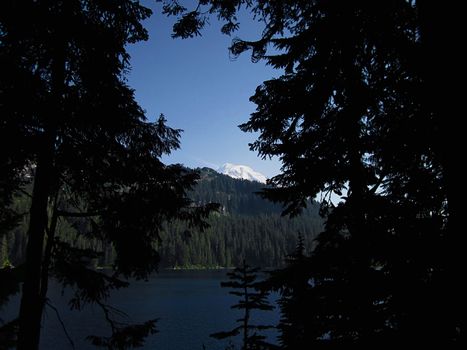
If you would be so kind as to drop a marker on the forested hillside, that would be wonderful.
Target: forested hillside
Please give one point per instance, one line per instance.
(246, 226)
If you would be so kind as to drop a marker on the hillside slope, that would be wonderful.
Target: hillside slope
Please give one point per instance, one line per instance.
(247, 226)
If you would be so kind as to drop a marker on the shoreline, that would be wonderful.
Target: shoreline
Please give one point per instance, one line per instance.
(188, 268)
(196, 268)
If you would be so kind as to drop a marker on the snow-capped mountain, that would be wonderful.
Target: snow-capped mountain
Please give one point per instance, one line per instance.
(241, 172)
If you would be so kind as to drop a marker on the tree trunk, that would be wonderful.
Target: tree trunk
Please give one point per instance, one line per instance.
(32, 299)
(361, 302)
(31, 303)
(48, 254)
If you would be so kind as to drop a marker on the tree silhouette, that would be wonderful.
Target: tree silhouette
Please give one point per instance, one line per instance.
(293, 282)
(244, 285)
(72, 128)
(357, 113)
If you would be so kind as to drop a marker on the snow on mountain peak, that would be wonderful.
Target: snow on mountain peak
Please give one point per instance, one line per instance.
(241, 172)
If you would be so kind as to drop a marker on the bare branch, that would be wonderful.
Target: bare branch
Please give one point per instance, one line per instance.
(61, 322)
(27, 194)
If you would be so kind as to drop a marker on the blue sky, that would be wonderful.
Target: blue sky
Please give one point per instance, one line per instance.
(201, 90)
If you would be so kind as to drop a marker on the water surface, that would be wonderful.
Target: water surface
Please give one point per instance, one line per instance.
(190, 305)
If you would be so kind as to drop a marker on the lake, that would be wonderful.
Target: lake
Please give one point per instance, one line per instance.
(190, 305)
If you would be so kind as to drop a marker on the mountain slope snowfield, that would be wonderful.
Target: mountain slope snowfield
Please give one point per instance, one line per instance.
(241, 172)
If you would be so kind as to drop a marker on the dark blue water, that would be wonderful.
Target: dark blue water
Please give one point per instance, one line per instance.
(190, 305)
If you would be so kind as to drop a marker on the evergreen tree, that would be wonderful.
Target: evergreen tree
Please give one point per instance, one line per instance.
(86, 148)
(293, 282)
(243, 281)
(356, 113)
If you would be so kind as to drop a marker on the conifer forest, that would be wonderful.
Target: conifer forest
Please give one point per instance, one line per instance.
(356, 234)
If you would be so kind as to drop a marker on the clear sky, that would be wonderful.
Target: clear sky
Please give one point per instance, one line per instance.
(201, 90)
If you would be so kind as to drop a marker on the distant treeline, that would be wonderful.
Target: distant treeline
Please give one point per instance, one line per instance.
(246, 227)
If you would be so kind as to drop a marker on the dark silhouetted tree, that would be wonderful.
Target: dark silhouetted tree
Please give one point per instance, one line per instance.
(243, 281)
(356, 113)
(293, 282)
(71, 127)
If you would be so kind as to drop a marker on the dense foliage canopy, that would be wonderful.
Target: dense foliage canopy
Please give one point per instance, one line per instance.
(72, 130)
(357, 112)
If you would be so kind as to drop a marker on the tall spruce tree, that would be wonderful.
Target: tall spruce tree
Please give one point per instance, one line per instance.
(71, 127)
(357, 112)
(243, 281)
